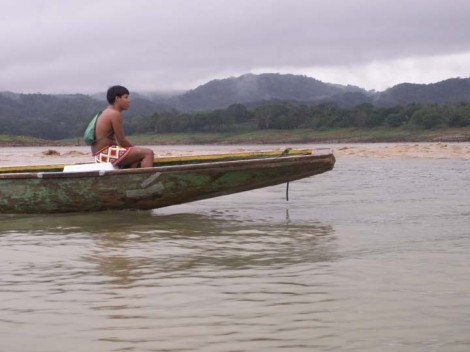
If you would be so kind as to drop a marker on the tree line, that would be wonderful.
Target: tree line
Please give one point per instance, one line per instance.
(288, 115)
(69, 121)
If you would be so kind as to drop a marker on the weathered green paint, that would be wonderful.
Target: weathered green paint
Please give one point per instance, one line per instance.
(51, 192)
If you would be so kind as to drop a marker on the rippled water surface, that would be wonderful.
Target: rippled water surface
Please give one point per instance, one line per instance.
(372, 256)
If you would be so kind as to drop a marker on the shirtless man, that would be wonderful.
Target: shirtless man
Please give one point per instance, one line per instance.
(111, 145)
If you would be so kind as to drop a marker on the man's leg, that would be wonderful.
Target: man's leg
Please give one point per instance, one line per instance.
(136, 155)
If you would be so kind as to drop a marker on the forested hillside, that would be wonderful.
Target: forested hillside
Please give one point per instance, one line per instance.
(258, 88)
(249, 102)
(448, 91)
(57, 116)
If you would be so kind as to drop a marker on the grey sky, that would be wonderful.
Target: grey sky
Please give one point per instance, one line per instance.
(84, 46)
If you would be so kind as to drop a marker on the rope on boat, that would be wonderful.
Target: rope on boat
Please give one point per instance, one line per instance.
(284, 153)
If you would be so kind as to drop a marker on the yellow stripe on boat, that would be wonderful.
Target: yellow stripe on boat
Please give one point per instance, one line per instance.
(229, 156)
(159, 161)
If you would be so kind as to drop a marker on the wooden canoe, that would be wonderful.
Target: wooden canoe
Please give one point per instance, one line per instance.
(176, 180)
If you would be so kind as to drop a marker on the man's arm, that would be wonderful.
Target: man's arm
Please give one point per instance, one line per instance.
(118, 129)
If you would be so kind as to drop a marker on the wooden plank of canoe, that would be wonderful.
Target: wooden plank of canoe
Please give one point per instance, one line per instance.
(184, 159)
(229, 156)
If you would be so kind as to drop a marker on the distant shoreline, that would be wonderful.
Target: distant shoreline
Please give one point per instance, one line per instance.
(260, 137)
(69, 153)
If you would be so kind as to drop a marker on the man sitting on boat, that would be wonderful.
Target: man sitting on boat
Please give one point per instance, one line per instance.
(110, 144)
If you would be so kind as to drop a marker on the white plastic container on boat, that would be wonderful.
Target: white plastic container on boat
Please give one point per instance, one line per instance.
(89, 167)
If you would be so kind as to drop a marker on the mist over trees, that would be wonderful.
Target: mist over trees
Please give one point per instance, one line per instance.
(45, 116)
(64, 121)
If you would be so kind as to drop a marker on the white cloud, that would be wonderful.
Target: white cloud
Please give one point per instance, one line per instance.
(383, 74)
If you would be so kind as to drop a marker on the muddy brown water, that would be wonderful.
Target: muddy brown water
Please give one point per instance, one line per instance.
(372, 256)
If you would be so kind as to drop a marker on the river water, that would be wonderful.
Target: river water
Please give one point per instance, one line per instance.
(372, 256)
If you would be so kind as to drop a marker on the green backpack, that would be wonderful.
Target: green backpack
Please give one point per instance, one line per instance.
(90, 133)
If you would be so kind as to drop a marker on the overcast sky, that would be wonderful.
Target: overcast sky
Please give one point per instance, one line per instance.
(85, 46)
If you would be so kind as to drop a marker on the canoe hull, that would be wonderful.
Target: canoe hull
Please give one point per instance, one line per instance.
(149, 188)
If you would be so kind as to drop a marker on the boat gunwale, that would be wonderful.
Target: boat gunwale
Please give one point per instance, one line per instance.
(173, 160)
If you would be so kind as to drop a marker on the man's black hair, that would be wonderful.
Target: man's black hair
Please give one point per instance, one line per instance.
(115, 91)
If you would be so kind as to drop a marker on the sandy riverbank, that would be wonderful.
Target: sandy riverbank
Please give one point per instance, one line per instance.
(64, 155)
(406, 150)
